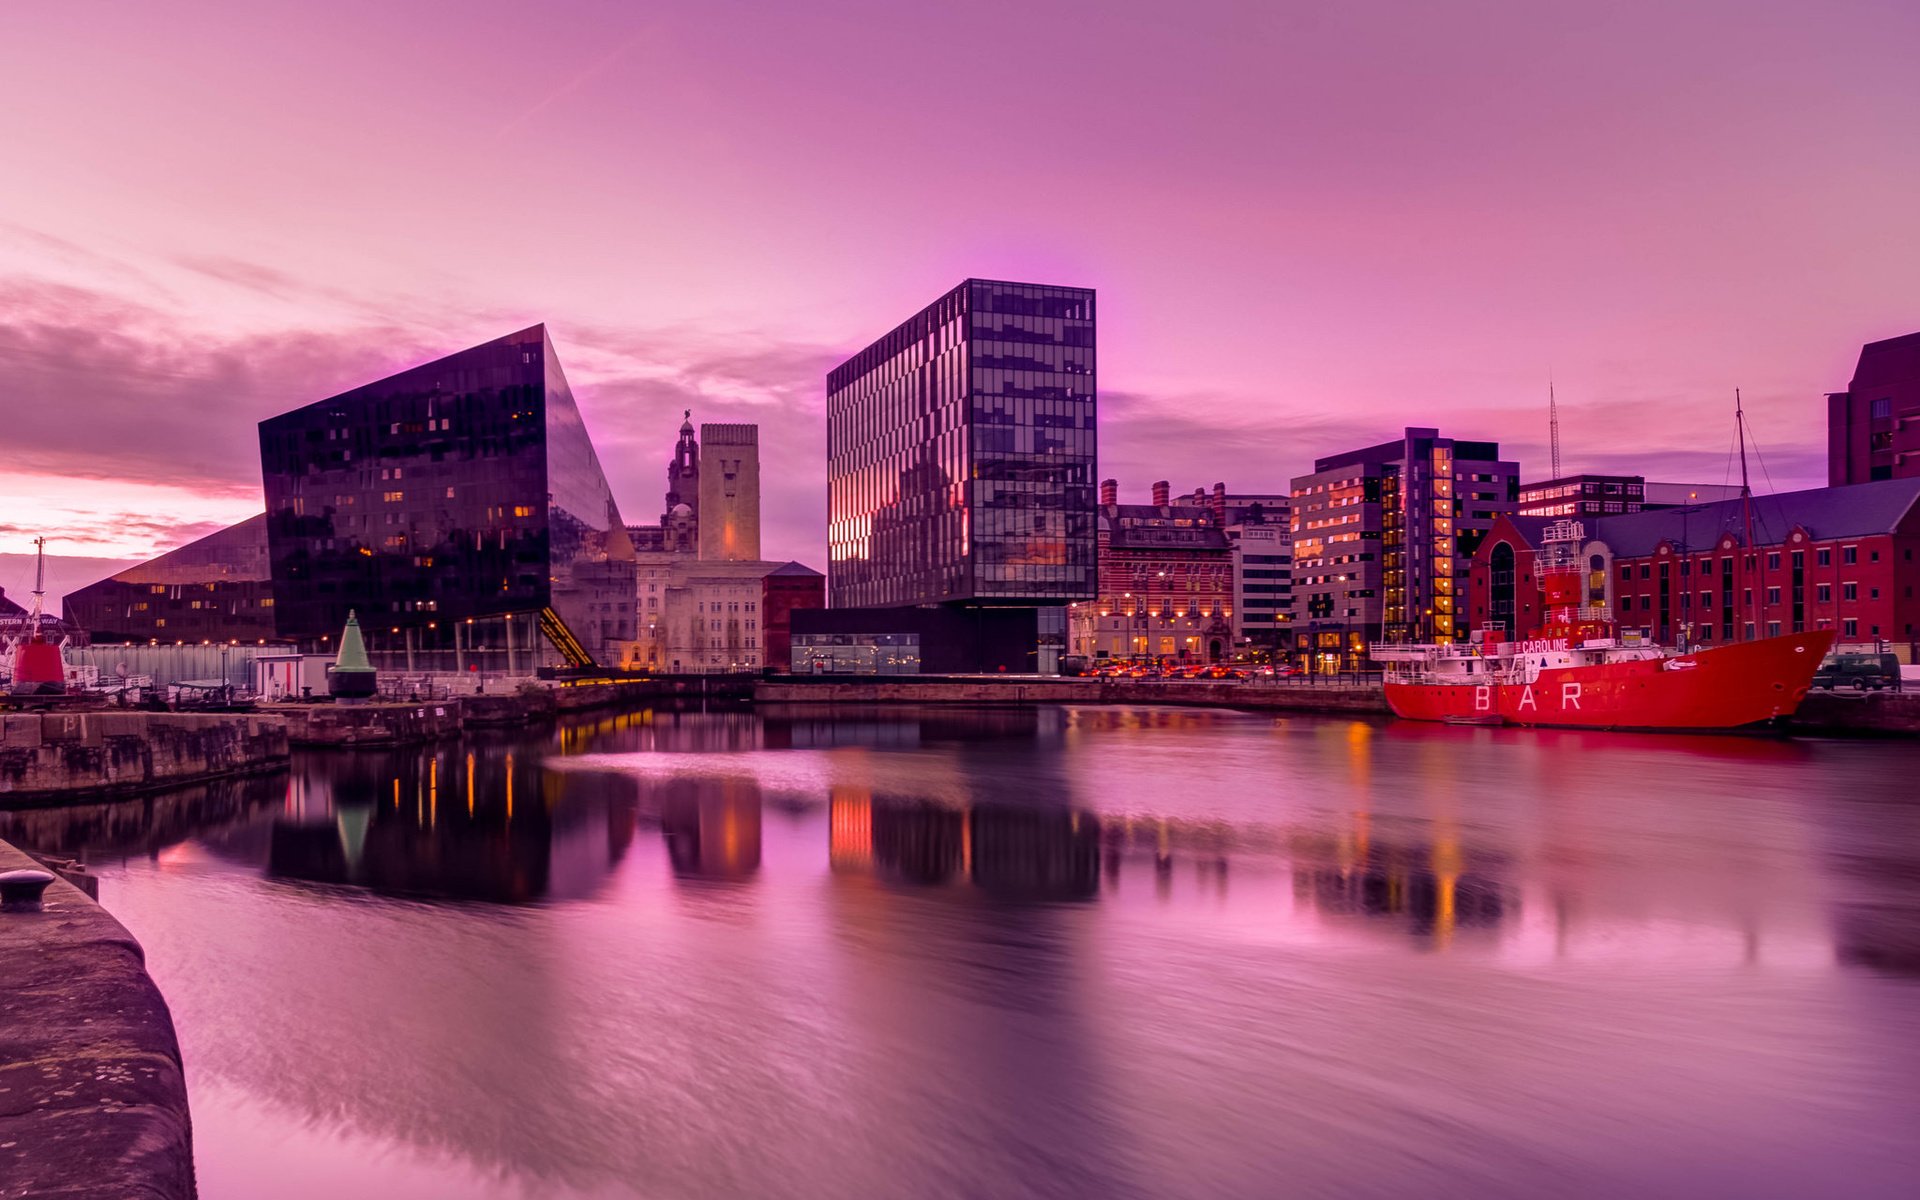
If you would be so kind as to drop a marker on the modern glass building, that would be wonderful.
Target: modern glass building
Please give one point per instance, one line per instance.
(215, 589)
(1383, 540)
(960, 454)
(459, 507)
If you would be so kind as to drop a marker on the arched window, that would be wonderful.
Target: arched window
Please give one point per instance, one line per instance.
(1502, 607)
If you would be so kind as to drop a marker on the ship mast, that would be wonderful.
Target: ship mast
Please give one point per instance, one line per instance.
(1751, 552)
(39, 580)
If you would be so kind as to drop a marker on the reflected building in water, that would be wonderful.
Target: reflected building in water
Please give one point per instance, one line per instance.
(1430, 889)
(711, 825)
(473, 824)
(1004, 850)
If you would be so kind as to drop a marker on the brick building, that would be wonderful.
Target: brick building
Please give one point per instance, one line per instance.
(1165, 582)
(1873, 428)
(1839, 558)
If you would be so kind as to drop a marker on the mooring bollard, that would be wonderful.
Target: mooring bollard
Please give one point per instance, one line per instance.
(20, 890)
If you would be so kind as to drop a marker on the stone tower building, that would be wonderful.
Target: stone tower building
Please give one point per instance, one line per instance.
(729, 503)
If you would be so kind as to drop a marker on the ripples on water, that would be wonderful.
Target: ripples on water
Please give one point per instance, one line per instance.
(1063, 952)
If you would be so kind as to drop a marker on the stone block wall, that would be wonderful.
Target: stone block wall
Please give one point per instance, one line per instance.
(50, 754)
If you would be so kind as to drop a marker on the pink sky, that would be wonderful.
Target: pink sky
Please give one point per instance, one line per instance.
(1310, 224)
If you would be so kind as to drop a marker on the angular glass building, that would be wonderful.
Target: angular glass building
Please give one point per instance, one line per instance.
(216, 589)
(960, 454)
(459, 507)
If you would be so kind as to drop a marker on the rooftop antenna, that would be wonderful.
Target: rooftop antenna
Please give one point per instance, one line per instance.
(1553, 423)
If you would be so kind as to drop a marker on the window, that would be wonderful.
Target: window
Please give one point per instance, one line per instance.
(1824, 558)
(1880, 409)
(1849, 591)
(1823, 592)
(1773, 561)
(1773, 629)
(1849, 555)
(1773, 595)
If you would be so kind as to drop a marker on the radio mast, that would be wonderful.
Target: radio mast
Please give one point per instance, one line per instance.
(1553, 425)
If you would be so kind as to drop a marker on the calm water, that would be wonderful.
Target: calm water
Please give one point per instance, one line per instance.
(1071, 952)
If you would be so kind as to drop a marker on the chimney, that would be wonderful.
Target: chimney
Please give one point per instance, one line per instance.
(1220, 504)
(1109, 491)
(1160, 493)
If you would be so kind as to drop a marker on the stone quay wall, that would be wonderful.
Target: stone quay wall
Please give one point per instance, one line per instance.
(50, 755)
(93, 1100)
(346, 726)
(1343, 699)
(1885, 713)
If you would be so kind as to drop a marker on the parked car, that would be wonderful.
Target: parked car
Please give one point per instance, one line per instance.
(1859, 673)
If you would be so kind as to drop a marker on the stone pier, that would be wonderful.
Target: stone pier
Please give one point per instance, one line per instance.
(48, 756)
(93, 1100)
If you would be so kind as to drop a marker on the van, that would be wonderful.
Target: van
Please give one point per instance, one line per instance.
(1858, 672)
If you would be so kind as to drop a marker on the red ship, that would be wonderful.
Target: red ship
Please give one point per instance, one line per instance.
(1580, 673)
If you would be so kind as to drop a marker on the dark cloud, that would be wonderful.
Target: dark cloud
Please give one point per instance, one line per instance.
(102, 387)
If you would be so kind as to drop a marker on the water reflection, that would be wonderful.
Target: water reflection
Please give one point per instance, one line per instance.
(1043, 953)
(476, 823)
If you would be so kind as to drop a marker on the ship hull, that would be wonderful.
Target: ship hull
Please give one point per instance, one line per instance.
(1727, 687)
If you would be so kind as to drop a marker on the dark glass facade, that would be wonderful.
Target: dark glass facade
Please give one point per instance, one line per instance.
(214, 590)
(960, 453)
(457, 506)
(932, 639)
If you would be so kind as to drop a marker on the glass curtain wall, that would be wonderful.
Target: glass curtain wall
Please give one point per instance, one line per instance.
(960, 453)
